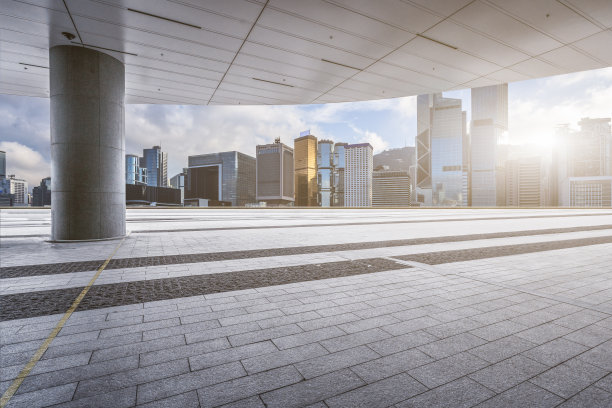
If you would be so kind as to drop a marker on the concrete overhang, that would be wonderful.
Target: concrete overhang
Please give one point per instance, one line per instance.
(251, 52)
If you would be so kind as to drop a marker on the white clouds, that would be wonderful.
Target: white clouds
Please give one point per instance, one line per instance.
(366, 136)
(25, 163)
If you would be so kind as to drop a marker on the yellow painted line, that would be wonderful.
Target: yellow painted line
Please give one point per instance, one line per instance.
(41, 350)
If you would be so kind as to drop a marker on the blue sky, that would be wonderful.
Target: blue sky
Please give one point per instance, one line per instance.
(535, 107)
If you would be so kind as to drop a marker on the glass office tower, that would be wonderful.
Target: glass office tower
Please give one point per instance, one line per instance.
(339, 166)
(305, 153)
(325, 172)
(156, 163)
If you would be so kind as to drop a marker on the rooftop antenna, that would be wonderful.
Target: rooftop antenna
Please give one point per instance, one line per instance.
(277, 140)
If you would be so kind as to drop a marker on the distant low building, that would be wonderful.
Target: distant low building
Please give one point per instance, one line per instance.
(590, 191)
(178, 181)
(526, 183)
(152, 195)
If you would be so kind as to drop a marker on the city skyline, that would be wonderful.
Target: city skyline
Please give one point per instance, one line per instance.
(535, 108)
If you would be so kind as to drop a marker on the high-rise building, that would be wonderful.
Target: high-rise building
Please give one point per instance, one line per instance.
(339, 168)
(325, 173)
(526, 182)
(358, 175)
(584, 154)
(488, 130)
(2, 164)
(590, 191)
(17, 188)
(305, 161)
(134, 174)
(390, 188)
(225, 176)
(423, 149)
(178, 181)
(41, 195)
(275, 178)
(156, 163)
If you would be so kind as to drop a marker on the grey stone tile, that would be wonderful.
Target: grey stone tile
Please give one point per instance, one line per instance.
(90, 345)
(308, 307)
(354, 339)
(580, 319)
(43, 397)
(250, 317)
(281, 358)
(80, 373)
(328, 321)
(251, 385)
(335, 361)
(451, 345)
(569, 378)
(221, 332)
(178, 352)
(121, 398)
(379, 394)
(521, 396)
(189, 316)
(186, 400)
(365, 324)
(352, 307)
(265, 334)
(605, 383)
(600, 356)
(544, 333)
(251, 402)
(214, 358)
(555, 352)
(313, 390)
(308, 337)
(411, 325)
(45, 366)
(498, 330)
(180, 329)
(284, 320)
(461, 393)
(379, 311)
(453, 328)
(448, 369)
(501, 349)
(508, 373)
(592, 397)
(401, 343)
(137, 348)
(129, 378)
(118, 331)
(390, 365)
(590, 336)
(183, 383)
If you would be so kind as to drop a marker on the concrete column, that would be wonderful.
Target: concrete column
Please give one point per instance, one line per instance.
(87, 144)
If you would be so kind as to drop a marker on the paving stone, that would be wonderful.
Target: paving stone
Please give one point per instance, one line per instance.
(328, 321)
(508, 373)
(183, 383)
(521, 396)
(580, 319)
(501, 349)
(569, 378)
(90, 345)
(313, 390)
(453, 328)
(221, 332)
(308, 337)
(498, 330)
(410, 325)
(605, 383)
(266, 334)
(365, 324)
(284, 320)
(251, 385)
(121, 398)
(281, 358)
(250, 317)
(252, 402)
(451, 345)
(544, 333)
(590, 336)
(600, 356)
(446, 370)
(400, 343)
(137, 348)
(335, 361)
(45, 366)
(555, 352)
(379, 394)
(390, 365)
(591, 397)
(186, 400)
(117, 331)
(187, 317)
(214, 358)
(43, 397)
(354, 339)
(180, 329)
(461, 393)
(184, 351)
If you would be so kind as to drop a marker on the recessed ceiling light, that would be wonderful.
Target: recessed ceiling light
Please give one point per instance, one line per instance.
(165, 18)
(273, 82)
(436, 41)
(68, 35)
(338, 63)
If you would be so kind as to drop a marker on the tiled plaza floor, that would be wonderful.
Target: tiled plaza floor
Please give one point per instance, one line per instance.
(320, 308)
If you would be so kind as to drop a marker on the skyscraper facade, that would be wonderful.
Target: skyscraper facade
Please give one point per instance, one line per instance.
(2, 164)
(18, 188)
(590, 191)
(390, 188)
(488, 130)
(41, 195)
(305, 159)
(178, 181)
(339, 169)
(325, 172)
(358, 175)
(423, 149)
(156, 163)
(134, 174)
(274, 174)
(526, 182)
(225, 176)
